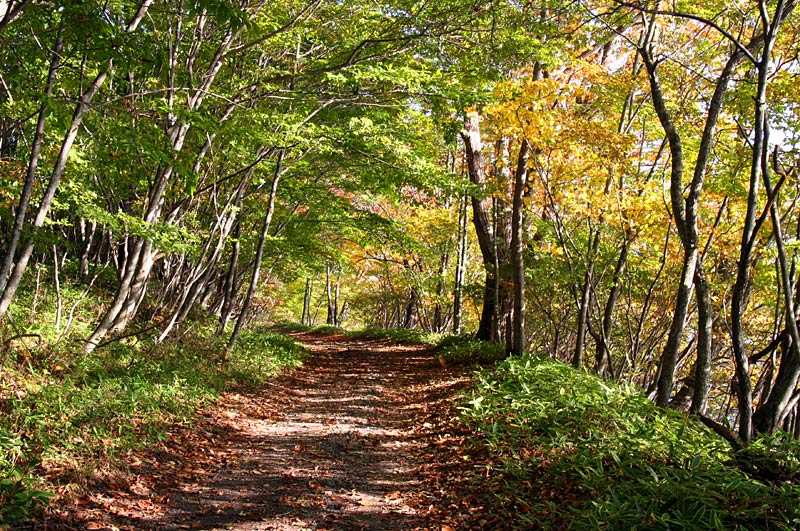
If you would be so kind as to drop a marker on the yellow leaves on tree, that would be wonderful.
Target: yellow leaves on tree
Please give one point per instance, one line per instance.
(580, 162)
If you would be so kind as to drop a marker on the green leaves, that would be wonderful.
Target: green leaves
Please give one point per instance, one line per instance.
(616, 460)
(128, 394)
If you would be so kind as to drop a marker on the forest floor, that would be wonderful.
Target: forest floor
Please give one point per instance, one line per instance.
(364, 436)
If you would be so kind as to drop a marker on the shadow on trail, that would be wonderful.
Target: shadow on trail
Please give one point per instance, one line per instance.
(333, 446)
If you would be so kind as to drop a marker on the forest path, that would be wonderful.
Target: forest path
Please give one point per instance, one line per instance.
(363, 436)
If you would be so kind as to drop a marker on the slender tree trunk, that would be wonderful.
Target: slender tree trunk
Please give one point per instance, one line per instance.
(669, 356)
(9, 290)
(603, 349)
(461, 263)
(306, 317)
(343, 313)
(518, 249)
(57, 286)
(701, 380)
(231, 278)
(439, 316)
(583, 318)
(11, 12)
(87, 237)
(195, 279)
(251, 289)
(336, 320)
(33, 166)
(584, 303)
(705, 330)
(231, 282)
(330, 320)
(410, 310)
(769, 417)
(131, 294)
(113, 310)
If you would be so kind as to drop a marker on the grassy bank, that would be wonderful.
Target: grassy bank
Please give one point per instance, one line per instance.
(65, 415)
(570, 451)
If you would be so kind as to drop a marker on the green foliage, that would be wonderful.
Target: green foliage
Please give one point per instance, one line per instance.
(326, 330)
(260, 354)
(126, 395)
(774, 457)
(18, 492)
(464, 350)
(609, 458)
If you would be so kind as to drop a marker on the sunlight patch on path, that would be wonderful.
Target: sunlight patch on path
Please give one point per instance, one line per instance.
(338, 456)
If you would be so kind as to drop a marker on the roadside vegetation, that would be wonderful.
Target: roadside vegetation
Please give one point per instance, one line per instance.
(571, 451)
(65, 415)
(560, 448)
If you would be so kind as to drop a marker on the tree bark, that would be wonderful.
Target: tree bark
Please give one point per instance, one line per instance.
(59, 167)
(603, 348)
(251, 289)
(705, 328)
(461, 263)
(7, 295)
(518, 345)
(305, 319)
(583, 308)
(482, 220)
(744, 392)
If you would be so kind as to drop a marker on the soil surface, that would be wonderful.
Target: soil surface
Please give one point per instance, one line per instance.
(363, 436)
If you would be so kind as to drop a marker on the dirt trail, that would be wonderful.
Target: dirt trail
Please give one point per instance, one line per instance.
(349, 441)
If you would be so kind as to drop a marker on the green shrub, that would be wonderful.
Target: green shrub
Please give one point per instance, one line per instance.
(609, 458)
(326, 330)
(75, 409)
(462, 350)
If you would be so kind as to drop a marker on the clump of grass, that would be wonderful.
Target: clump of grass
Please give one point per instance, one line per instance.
(290, 326)
(65, 410)
(573, 450)
(326, 330)
(465, 350)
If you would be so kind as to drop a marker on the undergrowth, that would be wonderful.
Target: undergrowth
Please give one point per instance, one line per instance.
(64, 412)
(465, 350)
(571, 451)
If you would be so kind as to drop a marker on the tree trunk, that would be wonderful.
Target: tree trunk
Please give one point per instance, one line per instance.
(251, 289)
(518, 249)
(410, 311)
(585, 301)
(330, 320)
(231, 280)
(194, 279)
(603, 350)
(461, 263)
(439, 315)
(705, 329)
(306, 317)
(12, 12)
(9, 290)
(30, 176)
(583, 318)
(481, 218)
(768, 415)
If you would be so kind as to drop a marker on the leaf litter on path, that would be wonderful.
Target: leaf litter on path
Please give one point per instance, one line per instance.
(363, 436)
